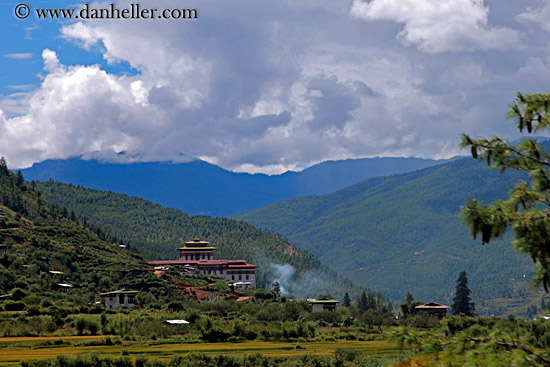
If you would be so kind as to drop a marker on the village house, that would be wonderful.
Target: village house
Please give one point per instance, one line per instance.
(200, 256)
(323, 305)
(433, 309)
(118, 299)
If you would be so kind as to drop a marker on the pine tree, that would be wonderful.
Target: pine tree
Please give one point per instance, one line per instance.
(527, 208)
(346, 302)
(462, 304)
(362, 302)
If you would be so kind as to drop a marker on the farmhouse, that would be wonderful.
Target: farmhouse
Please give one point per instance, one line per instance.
(434, 309)
(200, 255)
(118, 299)
(323, 305)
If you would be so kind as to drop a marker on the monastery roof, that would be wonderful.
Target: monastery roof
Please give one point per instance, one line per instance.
(323, 301)
(196, 242)
(233, 264)
(196, 248)
(237, 266)
(122, 291)
(167, 262)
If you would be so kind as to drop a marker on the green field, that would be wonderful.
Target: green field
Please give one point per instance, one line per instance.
(15, 350)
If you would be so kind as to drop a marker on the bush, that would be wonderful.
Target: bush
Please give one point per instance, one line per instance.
(33, 311)
(17, 294)
(14, 306)
(215, 335)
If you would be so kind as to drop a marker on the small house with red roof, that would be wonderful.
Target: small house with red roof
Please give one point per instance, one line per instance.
(433, 309)
(200, 255)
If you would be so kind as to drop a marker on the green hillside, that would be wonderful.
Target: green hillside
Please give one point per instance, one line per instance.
(157, 232)
(41, 237)
(404, 233)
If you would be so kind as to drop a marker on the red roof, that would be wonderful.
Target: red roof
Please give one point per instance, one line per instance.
(229, 263)
(432, 305)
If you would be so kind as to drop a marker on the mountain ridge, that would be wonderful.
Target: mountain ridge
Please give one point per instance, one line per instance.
(198, 187)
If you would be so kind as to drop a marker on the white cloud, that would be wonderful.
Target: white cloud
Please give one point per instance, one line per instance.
(540, 16)
(20, 55)
(269, 86)
(440, 25)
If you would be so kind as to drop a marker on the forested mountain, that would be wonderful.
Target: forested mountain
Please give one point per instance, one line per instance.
(198, 187)
(157, 232)
(404, 233)
(41, 237)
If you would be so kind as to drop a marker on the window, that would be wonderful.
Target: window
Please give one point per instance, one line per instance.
(240, 277)
(232, 277)
(247, 277)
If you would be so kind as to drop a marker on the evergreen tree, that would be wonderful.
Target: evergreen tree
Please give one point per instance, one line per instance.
(462, 304)
(362, 302)
(346, 302)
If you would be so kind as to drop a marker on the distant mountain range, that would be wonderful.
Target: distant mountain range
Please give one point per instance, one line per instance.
(198, 187)
(404, 233)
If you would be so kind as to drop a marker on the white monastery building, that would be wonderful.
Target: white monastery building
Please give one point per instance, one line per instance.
(200, 255)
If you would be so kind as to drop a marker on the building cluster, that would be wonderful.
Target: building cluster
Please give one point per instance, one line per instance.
(198, 256)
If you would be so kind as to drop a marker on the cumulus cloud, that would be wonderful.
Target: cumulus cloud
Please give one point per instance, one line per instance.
(271, 86)
(440, 25)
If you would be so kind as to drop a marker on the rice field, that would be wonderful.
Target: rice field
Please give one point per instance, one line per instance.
(15, 350)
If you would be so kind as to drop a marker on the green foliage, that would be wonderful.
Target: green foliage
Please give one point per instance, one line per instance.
(466, 341)
(527, 208)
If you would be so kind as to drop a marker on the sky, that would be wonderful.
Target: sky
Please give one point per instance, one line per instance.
(267, 86)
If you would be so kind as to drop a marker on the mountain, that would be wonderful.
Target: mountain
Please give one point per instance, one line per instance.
(43, 246)
(198, 187)
(403, 233)
(157, 232)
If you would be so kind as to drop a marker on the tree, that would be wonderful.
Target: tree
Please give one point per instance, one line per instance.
(462, 304)
(324, 296)
(362, 301)
(527, 209)
(347, 301)
(276, 288)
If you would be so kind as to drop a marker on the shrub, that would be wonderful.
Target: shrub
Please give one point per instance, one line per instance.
(33, 311)
(14, 306)
(17, 294)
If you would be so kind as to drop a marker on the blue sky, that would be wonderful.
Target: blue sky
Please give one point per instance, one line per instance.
(267, 86)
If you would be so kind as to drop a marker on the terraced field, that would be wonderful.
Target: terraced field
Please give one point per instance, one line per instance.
(15, 350)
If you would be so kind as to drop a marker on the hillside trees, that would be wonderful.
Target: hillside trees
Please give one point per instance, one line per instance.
(527, 209)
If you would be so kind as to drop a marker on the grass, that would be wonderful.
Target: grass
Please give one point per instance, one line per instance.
(15, 350)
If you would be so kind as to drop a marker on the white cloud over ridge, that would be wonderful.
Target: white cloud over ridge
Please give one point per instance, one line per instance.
(270, 86)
